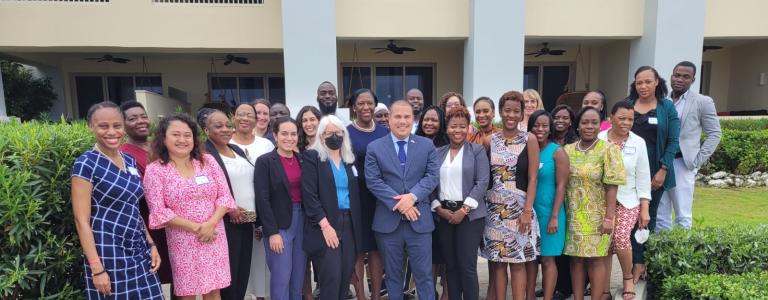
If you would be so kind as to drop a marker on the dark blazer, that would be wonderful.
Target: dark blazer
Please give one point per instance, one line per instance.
(273, 196)
(475, 172)
(318, 190)
(386, 180)
(667, 140)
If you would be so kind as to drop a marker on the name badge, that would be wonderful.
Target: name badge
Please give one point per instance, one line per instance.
(541, 165)
(629, 149)
(202, 179)
(354, 171)
(653, 121)
(133, 171)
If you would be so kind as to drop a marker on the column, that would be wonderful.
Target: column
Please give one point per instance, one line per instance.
(673, 31)
(3, 112)
(309, 49)
(494, 52)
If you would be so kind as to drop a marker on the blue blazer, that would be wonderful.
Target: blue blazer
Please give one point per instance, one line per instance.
(386, 180)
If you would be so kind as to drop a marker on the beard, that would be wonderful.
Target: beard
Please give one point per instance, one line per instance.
(327, 109)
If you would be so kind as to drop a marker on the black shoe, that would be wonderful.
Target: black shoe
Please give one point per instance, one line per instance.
(411, 294)
(539, 293)
(383, 292)
(560, 296)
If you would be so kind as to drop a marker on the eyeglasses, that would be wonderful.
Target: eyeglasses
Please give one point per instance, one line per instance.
(245, 115)
(328, 134)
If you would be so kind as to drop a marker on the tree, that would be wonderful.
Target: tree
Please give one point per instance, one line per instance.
(26, 97)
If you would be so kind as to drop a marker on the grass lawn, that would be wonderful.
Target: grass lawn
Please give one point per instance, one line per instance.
(712, 206)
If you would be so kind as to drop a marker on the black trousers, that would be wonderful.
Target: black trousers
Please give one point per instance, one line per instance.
(459, 244)
(240, 246)
(334, 266)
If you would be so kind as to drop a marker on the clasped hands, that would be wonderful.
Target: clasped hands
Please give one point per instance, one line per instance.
(453, 217)
(406, 206)
(206, 232)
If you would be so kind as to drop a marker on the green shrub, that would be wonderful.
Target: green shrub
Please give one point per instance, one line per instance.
(40, 255)
(745, 124)
(726, 249)
(716, 286)
(740, 152)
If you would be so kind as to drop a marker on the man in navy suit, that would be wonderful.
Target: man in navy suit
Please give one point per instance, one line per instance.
(401, 170)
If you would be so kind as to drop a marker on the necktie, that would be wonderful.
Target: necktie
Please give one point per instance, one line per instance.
(401, 154)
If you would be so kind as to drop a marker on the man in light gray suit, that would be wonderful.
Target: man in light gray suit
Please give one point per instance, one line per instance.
(697, 112)
(401, 171)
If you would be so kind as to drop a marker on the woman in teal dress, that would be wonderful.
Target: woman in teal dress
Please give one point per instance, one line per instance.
(550, 194)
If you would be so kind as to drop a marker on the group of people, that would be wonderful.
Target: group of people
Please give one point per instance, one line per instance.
(406, 190)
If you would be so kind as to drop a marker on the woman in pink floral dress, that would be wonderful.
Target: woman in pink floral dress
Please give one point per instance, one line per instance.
(188, 195)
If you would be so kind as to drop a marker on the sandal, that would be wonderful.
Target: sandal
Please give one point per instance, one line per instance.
(624, 292)
(643, 275)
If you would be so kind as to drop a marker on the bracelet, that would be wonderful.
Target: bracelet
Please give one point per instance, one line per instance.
(99, 273)
(150, 245)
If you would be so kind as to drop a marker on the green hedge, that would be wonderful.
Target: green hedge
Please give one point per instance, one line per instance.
(40, 255)
(717, 286)
(740, 152)
(745, 124)
(727, 249)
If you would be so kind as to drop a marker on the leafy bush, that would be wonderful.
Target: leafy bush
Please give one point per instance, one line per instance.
(40, 255)
(740, 152)
(717, 286)
(728, 249)
(745, 124)
(27, 97)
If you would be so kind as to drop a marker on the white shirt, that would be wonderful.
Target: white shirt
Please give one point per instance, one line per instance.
(241, 178)
(451, 181)
(680, 104)
(638, 184)
(259, 146)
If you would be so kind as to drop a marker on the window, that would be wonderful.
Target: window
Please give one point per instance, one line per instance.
(234, 89)
(706, 75)
(549, 79)
(94, 88)
(389, 82)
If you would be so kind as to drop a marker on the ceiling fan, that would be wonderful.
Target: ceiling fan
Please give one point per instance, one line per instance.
(109, 57)
(546, 51)
(711, 47)
(238, 59)
(391, 47)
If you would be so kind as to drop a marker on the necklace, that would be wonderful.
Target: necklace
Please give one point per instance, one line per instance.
(122, 160)
(621, 141)
(578, 145)
(361, 128)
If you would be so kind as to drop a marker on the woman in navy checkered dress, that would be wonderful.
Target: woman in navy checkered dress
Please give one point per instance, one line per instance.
(120, 257)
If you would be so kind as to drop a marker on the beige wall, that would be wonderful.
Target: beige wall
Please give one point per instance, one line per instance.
(613, 70)
(158, 106)
(447, 57)
(736, 18)
(720, 76)
(584, 18)
(140, 24)
(747, 62)
(188, 74)
(402, 18)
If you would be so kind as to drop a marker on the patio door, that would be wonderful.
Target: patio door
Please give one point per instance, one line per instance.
(118, 88)
(390, 82)
(550, 79)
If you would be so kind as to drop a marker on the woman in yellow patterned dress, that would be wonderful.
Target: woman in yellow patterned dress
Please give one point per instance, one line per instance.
(597, 169)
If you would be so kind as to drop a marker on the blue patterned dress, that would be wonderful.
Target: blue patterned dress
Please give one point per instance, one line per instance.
(118, 228)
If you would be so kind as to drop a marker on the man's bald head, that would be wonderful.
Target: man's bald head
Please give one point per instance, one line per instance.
(326, 98)
(416, 99)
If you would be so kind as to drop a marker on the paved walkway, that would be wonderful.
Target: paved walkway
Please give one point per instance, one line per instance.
(482, 267)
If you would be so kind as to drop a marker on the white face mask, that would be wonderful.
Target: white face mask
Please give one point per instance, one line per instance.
(641, 235)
